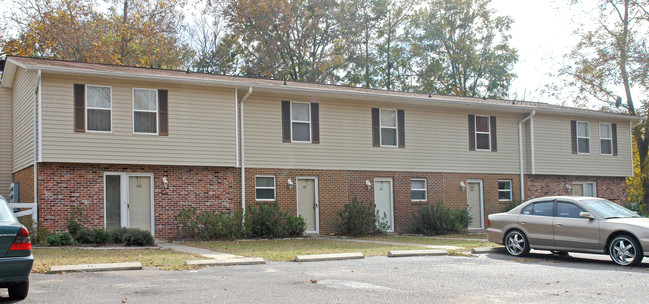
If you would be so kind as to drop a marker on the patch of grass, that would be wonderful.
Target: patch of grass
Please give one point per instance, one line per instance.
(151, 258)
(287, 249)
(466, 244)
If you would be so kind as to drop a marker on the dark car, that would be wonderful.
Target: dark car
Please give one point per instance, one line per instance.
(16, 257)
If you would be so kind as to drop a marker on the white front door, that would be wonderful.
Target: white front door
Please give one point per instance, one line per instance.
(307, 202)
(474, 203)
(129, 201)
(383, 201)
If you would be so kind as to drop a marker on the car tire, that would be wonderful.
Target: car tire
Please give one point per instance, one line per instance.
(516, 243)
(19, 291)
(625, 250)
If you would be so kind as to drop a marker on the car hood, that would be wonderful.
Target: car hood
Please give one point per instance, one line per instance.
(632, 221)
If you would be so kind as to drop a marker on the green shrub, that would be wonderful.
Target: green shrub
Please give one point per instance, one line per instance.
(61, 239)
(294, 226)
(434, 219)
(100, 237)
(265, 220)
(510, 205)
(74, 220)
(188, 223)
(116, 236)
(138, 237)
(210, 225)
(84, 236)
(357, 219)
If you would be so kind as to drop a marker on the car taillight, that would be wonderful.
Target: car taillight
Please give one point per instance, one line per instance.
(488, 223)
(22, 241)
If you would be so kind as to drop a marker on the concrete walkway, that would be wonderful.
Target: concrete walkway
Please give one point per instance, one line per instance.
(198, 251)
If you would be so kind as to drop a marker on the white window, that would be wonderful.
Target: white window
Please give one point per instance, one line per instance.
(584, 189)
(301, 121)
(606, 139)
(504, 190)
(418, 189)
(482, 133)
(388, 128)
(99, 107)
(145, 111)
(583, 137)
(265, 188)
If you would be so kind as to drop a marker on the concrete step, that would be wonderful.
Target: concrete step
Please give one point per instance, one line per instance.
(227, 262)
(329, 257)
(96, 267)
(410, 253)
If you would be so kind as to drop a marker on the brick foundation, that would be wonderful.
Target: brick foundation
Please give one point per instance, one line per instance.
(611, 188)
(25, 180)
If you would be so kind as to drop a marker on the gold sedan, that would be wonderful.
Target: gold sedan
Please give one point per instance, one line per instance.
(572, 224)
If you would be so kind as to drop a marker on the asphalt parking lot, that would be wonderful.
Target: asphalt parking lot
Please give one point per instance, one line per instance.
(488, 278)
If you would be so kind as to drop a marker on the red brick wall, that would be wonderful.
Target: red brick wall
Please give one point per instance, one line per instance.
(611, 188)
(62, 186)
(25, 180)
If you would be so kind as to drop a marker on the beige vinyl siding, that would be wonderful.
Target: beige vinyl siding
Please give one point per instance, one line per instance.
(201, 126)
(24, 101)
(554, 151)
(5, 142)
(436, 139)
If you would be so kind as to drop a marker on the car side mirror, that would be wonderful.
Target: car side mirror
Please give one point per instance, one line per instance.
(586, 215)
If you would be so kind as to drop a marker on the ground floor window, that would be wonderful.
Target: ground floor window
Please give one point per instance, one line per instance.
(418, 189)
(504, 190)
(265, 188)
(584, 189)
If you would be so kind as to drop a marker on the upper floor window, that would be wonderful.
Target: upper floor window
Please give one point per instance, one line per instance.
(99, 108)
(605, 139)
(145, 111)
(482, 133)
(504, 190)
(418, 189)
(301, 121)
(265, 188)
(388, 128)
(583, 137)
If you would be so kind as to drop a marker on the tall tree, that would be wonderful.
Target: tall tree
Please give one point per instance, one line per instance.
(610, 64)
(216, 51)
(391, 38)
(292, 39)
(460, 48)
(142, 33)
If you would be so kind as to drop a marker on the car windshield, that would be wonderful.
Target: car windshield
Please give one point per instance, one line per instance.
(5, 212)
(608, 209)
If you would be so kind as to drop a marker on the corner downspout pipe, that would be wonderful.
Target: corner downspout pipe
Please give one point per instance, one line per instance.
(37, 148)
(243, 159)
(520, 149)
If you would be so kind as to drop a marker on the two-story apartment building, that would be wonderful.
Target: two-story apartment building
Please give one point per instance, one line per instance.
(134, 146)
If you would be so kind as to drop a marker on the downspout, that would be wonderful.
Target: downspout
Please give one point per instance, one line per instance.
(37, 147)
(243, 159)
(520, 149)
(236, 127)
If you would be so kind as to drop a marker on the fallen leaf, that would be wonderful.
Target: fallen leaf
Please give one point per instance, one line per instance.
(314, 281)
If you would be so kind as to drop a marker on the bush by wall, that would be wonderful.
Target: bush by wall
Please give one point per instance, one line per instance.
(359, 219)
(82, 235)
(60, 239)
(434, 219)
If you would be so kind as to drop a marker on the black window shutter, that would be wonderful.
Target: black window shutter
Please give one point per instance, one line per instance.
(573, 135)
(614, 135)
(163, 123)
(315, 123)
(401, 126)
(286, 121)
(79, 108)
(471, 132)
(376, 129)
(494, 137)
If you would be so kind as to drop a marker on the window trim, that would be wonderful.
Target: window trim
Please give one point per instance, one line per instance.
(587, 137)
(85, 103)
(310, 122)
(584, 185)
(157, 112)
(503, 190)
(425, 189)
(476, 132)
(274, 189)
(395, 128)
(610, 139)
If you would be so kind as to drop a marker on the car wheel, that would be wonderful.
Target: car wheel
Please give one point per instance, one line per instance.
(19, 290)
(625, 251)
(516, 243)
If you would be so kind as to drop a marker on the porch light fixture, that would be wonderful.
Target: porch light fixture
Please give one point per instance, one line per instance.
(165, 182)
(368, 184)
(462, 186)
(290, 184)
(569, 188)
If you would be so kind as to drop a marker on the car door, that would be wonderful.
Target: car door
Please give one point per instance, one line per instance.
(572, 231)
(537, 221)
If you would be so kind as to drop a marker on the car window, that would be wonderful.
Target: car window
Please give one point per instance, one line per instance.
(528, 209)
(565, 209)
(544, 208)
